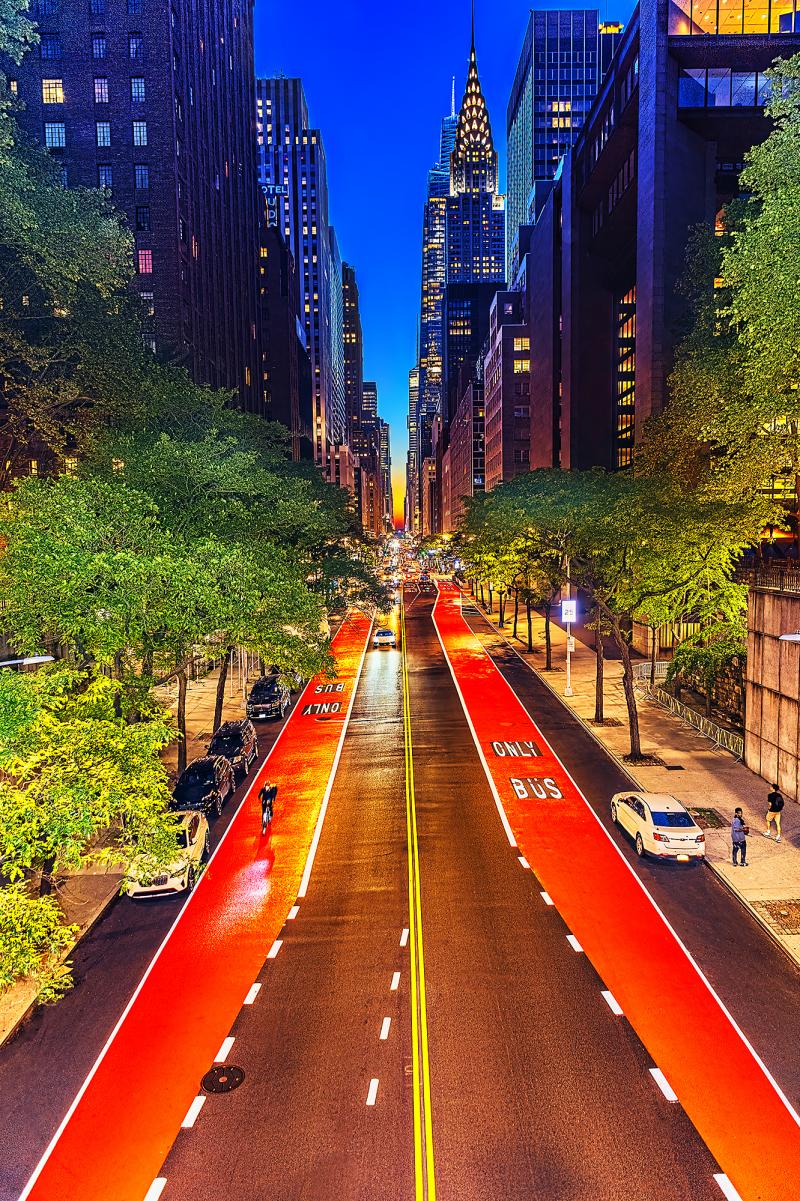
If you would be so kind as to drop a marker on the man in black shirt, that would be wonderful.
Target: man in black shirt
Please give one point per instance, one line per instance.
(774, 809)
(267, 797)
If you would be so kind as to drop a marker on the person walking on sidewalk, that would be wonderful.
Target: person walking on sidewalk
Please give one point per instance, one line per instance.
(739, 832)
(774, 809)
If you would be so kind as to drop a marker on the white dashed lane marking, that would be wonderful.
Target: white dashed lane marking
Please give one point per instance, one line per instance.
(276, 946)
(404, 937)
(395, 982)
(612, 1002)
(663, 1084)
(373, 1091)
(573, 942)
(385, 1027)
(156, 1188)
(255, 989)
(225, 1049)
(192, 1113)
(548, 900)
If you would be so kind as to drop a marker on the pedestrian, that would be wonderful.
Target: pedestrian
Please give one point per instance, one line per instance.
(774, 807)
(739, 832)
(267, 797)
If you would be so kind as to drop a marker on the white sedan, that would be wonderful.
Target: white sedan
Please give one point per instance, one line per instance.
(384, 637)
(659, 825)
(181, 875)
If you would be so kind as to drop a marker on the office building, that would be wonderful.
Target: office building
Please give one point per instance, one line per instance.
(507, 369)
(412, 457)
(353, 355)
(285, 366)
(337, 414)
(118, 93)
(659, 152)
(463, 462)
(292, 173)
(385, 458)
(563, 59)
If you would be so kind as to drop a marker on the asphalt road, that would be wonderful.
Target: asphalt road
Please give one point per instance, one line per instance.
(758, 983)
(45, 1062)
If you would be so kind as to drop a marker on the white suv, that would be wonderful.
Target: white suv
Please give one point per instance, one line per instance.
(384, 637)
(180, 876)
(659, 825)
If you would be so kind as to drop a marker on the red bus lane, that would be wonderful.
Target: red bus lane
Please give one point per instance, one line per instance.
(727, 1092)
(118, 1131)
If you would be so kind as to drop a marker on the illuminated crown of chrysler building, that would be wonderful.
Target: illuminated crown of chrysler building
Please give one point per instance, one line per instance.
(473, 163)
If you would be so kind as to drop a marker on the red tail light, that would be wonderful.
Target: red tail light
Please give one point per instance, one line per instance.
(700, 838)
(660, 837)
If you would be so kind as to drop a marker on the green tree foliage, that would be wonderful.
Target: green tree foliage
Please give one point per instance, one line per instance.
(33, 937)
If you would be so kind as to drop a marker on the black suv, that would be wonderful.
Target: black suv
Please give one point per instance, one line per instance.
(269, 697)
(237, 742)
(205, 785)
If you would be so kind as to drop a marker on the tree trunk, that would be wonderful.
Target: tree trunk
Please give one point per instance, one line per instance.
(530, 626)
(182, 719)
(147, 663)
(516, 610)
(502, 608)
(491, 605)
(599, 651)
(628, 689)
(472, 587)
(548, 642)
(483, 598)
(653, 655)
(46, 882)
(221, 682)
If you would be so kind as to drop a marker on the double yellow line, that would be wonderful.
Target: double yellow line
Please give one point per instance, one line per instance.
(424, 1175)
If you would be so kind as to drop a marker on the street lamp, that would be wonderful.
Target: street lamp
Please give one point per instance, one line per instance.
(30, 661)
(790, 637)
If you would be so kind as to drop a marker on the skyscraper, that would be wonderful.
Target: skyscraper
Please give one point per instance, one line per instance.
(121, 97)
(564, 57)
(412, 458)
(353, 357)
(293, 176)
(337, 416)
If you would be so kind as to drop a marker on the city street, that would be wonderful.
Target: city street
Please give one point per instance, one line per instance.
(427, 1021)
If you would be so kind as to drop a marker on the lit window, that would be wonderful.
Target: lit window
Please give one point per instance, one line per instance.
(144, 260)
(55, 135)
(136, 46)
(521, 366)
(101, 91)
(137, 89)
(522, 343)
(52, 91)
(34, 466)
(13, 86)
(140, 133)
(142, 176)
(103, 133)
(104, 176)
(99, 45)
(70, 465)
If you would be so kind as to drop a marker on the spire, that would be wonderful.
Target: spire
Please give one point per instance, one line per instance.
(473, 26)
(474, 160)
(453, 99)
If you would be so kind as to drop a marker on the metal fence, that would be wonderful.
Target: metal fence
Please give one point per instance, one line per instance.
(642, 670)
(727, 739)
(770, 579)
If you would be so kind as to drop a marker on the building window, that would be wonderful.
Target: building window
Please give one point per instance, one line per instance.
(70, 465)
(104, 175)
(49, 45)
(142, 217)
(99, 45)
(97, 8)
(103, 133)
(45, 8)
(55, 135)
(521, 366)
(34, 466)
(137, 89)
(136, 46)
(134, 8)
(624, 379)
(140, 133)
(144, 262)
(52, 91)
(522, 343)
(147, 302)
(101, 91)
(141, 173)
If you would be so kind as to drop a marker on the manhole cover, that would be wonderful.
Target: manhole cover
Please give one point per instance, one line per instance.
(708, 819)
(783, 916)
(223, 1079)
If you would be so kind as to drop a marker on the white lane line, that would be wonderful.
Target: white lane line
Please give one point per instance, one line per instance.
(255, 989)
(524, 863)
(548, 900)
(373, 1091)
(385, 1025)
(225, 1049)
(573, 942)
(293, 912)
(404, 936)
(276, 946)
(192, 1113)
(312, 850)
(395, 982)
(727, 1188)
(156, 1188)
(612, 1002)
(663, 1084)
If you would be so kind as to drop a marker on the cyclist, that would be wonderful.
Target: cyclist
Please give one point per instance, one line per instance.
(267, 797)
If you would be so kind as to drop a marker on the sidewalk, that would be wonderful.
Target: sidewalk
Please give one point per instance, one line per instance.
(707, 778)
(85, 896)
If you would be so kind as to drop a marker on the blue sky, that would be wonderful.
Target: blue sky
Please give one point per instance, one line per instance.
(377, 76)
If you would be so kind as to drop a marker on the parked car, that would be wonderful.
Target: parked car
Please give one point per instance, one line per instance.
(205, 785)
(269, 697)
(180, 876)
(384, 637)
(236, 741)
(659, 825)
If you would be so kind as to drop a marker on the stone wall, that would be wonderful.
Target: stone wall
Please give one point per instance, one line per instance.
(772, 745)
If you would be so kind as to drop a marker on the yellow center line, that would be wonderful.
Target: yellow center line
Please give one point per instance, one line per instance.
(424, 1175)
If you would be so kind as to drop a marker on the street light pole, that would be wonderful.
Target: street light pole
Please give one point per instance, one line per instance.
(568, 689)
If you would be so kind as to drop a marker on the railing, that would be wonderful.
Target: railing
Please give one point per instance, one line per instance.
(643, 670)
(727, 739)
(771, 578)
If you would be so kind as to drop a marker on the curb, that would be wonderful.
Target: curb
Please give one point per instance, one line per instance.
(790, 955)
